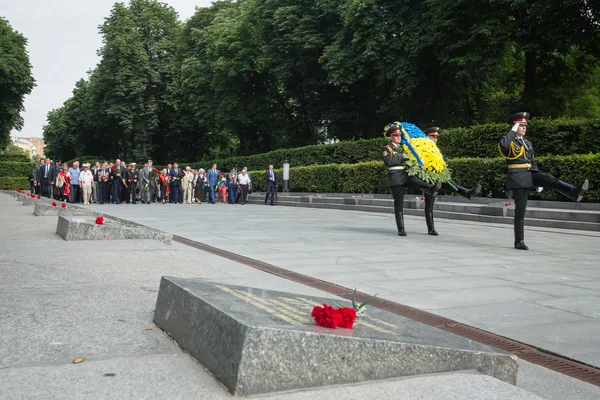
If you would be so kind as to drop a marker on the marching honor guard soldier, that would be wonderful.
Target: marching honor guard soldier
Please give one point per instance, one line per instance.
(394, 158)
(523, 174)
(434, 133)
(132, 180)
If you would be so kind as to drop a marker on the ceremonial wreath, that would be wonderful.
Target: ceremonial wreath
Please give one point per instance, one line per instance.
(425, 159)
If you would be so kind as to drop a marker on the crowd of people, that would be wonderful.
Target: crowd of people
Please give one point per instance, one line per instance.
(119, 183)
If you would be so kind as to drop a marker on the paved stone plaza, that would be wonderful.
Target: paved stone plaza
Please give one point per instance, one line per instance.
(95, 299)
(548, 296)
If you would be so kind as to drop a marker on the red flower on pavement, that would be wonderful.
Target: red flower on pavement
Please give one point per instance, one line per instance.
(347, 317)
(39, 197)
(100, 220)
(53, 204)
(64, 205)
(326, 316)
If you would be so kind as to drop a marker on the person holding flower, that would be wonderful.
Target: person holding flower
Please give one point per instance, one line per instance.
(187, 182)
(199, 182)
(397, 160)
(86, 178)
(63, 182)
(222, 196)
(165, 181)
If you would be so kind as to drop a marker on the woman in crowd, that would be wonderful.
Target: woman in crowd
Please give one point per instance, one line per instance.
(165, 182)
(232, 185)
(222, 188)
(63, 183)
(199, 182)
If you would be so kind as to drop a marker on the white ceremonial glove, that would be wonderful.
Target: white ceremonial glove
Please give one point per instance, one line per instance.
(515, 127)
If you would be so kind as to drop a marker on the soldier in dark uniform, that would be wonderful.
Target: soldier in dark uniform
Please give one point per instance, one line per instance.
(394, 158)
(132, 180)
(434, 133)
(523, 174)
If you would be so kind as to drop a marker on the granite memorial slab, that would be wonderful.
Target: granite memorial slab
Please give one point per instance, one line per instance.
(259, 341)
(27, 201)
(86, 228)
(46, 209)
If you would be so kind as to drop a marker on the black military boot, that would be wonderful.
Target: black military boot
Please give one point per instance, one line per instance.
(470, 193)
(430, 227)
(429, 202)
(520, 235)
(400, 224)
(573, 192)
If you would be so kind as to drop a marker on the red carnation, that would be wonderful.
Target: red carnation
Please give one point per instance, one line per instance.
(53, 204)
(39, 197)
(347, 317)
(64, 205)
(100, 220)
(326, 316)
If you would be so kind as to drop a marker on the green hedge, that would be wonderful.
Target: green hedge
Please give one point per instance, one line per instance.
(12, 183)
(16, 169)
(371, 177)
(549, 137)
(15, 157)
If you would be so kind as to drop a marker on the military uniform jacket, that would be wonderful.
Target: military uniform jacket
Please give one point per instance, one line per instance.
(133, 175)
(511, 146)
(393, 156)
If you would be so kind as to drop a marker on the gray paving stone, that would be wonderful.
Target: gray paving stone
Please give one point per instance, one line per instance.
(557, 290)
(499, 315)
(576, 339)
(586, 305)
(552, 385)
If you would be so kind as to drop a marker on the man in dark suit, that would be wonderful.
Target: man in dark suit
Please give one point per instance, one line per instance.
(37, 182)
(117, 182)
(271, 179)
(395, 159)
(212, 176)
(46, 177)
(176, 194)
(524, 174)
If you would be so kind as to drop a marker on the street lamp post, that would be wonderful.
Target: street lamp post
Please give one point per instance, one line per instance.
(286, 176)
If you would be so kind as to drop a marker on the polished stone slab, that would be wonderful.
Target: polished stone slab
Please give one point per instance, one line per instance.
(85, 228)
(260, 341)
(42, 209)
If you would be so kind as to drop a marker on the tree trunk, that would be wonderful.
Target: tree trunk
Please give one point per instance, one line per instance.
(529, 94)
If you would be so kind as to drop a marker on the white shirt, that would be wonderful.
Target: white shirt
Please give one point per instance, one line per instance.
(243, 179)
(86, 177)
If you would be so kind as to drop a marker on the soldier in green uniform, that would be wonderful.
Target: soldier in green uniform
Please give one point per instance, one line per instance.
(394, 158)
(523, 174)
(434, 133)
(132, 181)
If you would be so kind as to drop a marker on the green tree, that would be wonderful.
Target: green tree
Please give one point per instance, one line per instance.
(16, 80)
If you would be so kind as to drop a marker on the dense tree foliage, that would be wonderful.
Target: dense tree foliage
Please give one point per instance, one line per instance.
(16, 80)
(250, 76)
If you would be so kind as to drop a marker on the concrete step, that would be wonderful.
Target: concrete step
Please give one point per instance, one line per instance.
(588, 220)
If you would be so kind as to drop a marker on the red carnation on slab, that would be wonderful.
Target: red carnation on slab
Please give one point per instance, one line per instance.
(422, 198)
(347, 317)
(39, 197)
(53, 204)
(64, 205)
(326, 316)
(100, 220)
